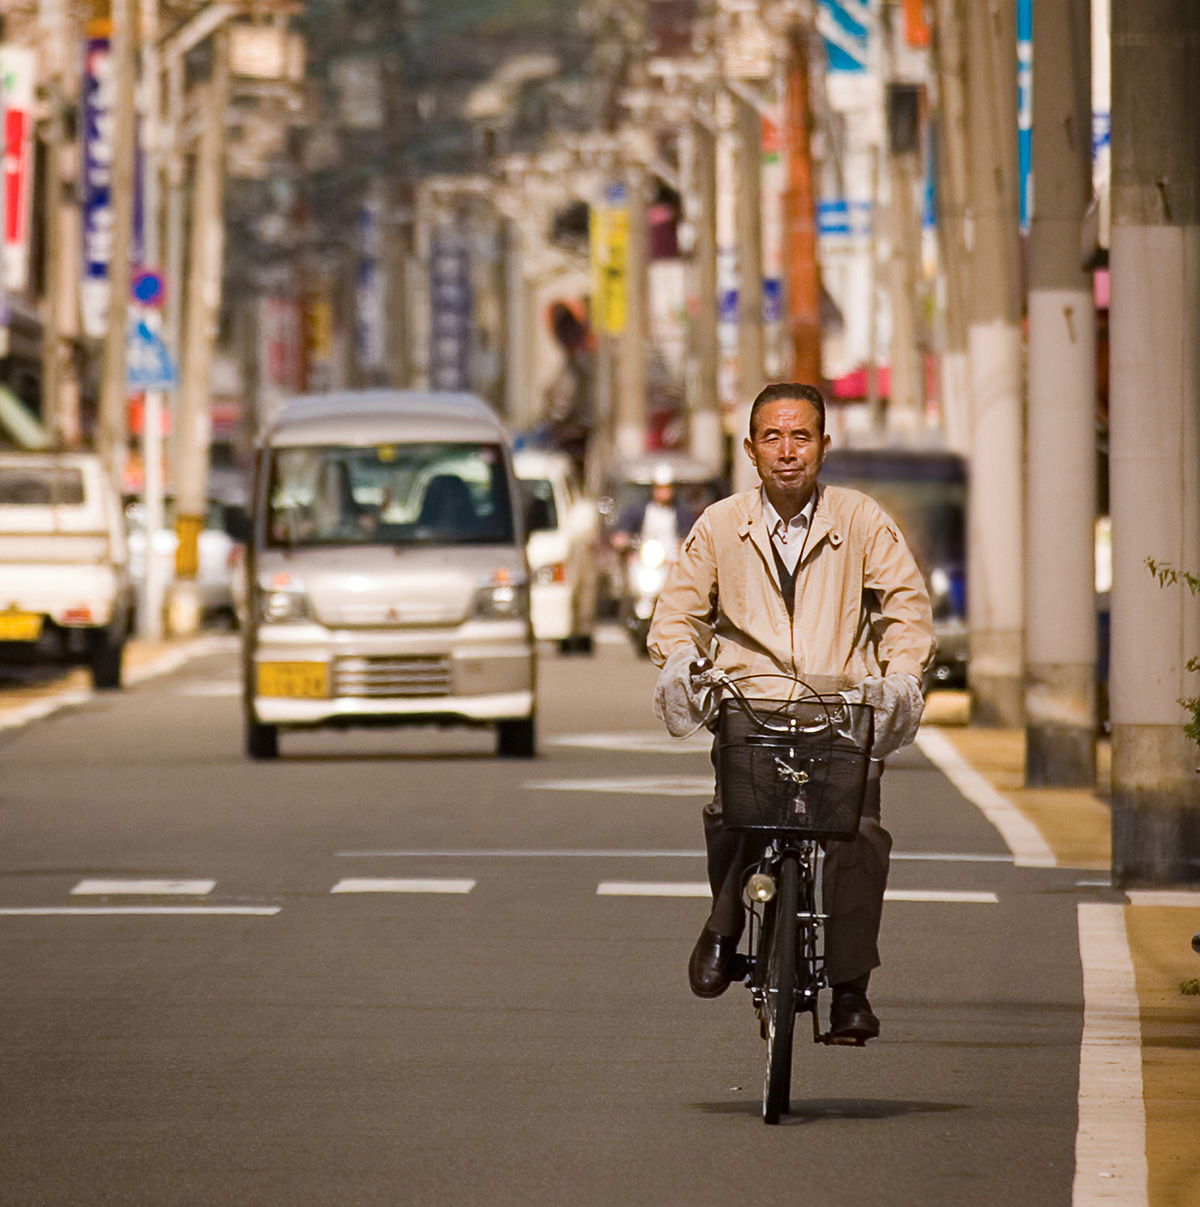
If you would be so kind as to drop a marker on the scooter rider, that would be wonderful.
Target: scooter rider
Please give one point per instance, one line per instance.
(661, 517)
(812, 582)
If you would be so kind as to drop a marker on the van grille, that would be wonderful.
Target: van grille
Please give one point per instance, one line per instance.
(411, 676)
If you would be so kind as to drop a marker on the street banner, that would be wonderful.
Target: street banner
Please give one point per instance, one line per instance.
(609, 238)
(450, 311)
(370, 285)
(98, 119)
(17, 71)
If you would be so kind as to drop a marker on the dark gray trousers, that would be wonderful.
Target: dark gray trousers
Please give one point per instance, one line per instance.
(852, 884)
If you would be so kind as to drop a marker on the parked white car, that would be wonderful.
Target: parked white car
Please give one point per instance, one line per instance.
(218, 561)
(561, 548)
(64, 564)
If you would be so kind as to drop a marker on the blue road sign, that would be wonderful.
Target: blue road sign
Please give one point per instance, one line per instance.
(148, 364)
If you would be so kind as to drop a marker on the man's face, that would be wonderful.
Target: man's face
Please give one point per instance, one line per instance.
(787, 449)
(664, 493)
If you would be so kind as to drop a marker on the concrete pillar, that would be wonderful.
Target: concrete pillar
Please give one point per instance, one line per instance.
(1060, 625)
(995, 569)
(954, 393)
(1154, 437)
(748, 209)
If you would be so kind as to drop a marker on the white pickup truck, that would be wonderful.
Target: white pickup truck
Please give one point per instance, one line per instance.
(65, 593)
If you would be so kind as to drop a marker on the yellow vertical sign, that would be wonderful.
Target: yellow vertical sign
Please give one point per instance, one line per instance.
(609, 238)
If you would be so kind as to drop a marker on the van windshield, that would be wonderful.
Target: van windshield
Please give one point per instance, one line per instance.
(389, 494)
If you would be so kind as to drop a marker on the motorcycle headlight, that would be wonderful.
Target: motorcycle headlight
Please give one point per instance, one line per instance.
(650, 579)
(939, 581)
(653, 553)
(283, 606)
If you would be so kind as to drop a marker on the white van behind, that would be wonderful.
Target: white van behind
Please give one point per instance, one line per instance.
(386, 569)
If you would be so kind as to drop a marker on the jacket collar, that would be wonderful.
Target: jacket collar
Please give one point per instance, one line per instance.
(754, 526)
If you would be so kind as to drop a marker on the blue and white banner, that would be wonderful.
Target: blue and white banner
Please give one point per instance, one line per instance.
(844, 25)
(450, 311)
(98, 118)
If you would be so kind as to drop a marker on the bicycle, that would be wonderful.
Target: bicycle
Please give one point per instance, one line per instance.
(794, 772)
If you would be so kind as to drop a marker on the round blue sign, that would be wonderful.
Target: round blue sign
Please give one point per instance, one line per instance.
(148, 288)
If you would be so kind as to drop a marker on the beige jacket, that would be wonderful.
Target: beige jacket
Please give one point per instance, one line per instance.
(861, 604)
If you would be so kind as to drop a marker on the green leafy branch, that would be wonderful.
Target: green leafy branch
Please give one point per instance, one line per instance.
(1169, 576)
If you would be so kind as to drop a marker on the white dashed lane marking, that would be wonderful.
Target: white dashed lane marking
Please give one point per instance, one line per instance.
(637, 888)
(650, 785)
(143, 888)
(939, 896)
(97, 910)
(409, 885)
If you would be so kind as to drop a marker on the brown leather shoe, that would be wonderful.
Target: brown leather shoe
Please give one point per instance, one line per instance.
(708, 968)
(851, 1019)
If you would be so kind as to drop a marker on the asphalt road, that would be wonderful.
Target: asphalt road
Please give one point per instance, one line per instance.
(529, 1041)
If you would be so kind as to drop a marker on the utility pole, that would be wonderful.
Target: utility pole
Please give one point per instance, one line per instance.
(748, 211)
(113, 393)
(64, 427)
(1060, 626)
(704, 415)
(204, 298)
(1154, 438)
(802, 288)
(631, 369)
(995, 568)
(954, 392)
(150, 605)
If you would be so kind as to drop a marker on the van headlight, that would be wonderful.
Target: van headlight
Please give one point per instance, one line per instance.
(502, 601)
(283, 606)
(653, 554)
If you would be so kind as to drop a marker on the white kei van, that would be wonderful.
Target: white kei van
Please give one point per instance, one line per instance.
(387, 580)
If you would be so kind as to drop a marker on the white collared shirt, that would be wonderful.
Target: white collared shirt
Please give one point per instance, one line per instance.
(788, 538)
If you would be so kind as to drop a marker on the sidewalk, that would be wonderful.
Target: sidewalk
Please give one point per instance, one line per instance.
(22, 702)
(1075, 823)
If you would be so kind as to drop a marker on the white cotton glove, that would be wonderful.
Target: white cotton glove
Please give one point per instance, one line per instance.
(680, 706)
(898, 705)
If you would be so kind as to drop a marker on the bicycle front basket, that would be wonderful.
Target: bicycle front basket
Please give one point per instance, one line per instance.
(794, 765)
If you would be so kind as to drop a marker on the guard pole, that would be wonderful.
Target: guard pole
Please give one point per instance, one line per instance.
(1060, 627)
(1154, 437)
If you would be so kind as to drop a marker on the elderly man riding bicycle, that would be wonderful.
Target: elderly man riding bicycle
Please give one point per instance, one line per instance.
(815, 583)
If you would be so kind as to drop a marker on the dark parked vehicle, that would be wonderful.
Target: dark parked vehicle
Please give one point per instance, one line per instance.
(925, 492)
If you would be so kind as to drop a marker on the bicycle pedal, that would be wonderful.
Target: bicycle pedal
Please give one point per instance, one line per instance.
(739, 967)
(841, 1041)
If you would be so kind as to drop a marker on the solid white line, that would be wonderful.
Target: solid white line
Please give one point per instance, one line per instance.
(94, 910)
(936, 895)
(140, 888)
(650, 785)
(1029, 848)
(634, 888)
(949, 857)
(1176, 899)
(1110, 1144)
(353, 885)
(517, 854)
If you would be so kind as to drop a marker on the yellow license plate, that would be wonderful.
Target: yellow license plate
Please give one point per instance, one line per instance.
(304, 680)
(20, 626)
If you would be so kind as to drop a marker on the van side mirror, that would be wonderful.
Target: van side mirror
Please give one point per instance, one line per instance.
(538, 517)
(238, 523)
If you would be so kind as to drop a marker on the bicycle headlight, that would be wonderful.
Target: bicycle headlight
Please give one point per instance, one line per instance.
(760, 887)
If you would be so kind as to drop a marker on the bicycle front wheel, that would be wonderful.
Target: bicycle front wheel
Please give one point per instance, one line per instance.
(780, 995)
